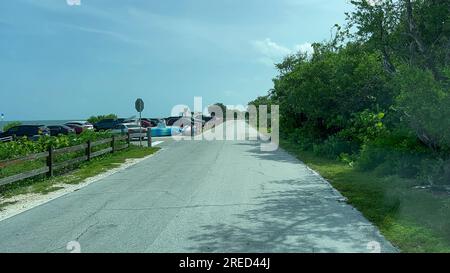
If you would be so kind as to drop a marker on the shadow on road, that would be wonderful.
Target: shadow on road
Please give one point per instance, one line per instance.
(298, 216)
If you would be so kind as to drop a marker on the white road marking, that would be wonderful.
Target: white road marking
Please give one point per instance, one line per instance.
(156, 143)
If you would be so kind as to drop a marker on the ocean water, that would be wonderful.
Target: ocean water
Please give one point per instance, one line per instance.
(37, 122)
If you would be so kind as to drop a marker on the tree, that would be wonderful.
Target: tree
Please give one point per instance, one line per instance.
(416, 32)
(222, 106)
(95, 119)
(11, 124)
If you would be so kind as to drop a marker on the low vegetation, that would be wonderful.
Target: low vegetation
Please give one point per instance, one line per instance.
(24, 146)
(10, 125)
(413, 219)
(95, 119)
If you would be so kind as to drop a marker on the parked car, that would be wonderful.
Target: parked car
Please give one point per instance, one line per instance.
(153, 121)
(185, 122)
(86, 125)
(33, 132)
(134, 130)
(56, 130)
(107, 124)
(144, 122)
(78, 129)
(206, 119)
(171, 120)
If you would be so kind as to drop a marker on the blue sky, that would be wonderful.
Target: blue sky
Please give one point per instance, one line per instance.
(61, 61)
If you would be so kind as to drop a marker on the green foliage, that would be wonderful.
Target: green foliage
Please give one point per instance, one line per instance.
(324, 93)
(24, 146)
(334, 147)
(425, 106)
(435, 171)
(222, 106)
(11, 124)
(95, 119)
(364, 127)
(377, 95)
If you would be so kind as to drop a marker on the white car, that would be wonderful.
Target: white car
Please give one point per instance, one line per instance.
(84, 124)
(134, 130)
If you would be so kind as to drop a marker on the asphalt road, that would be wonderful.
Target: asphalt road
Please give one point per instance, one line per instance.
(199, 196)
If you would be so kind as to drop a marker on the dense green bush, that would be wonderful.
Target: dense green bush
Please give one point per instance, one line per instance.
(334, 147)
(24, 146)
(425, 106)
(302, 138)
(435, 171)
(364, 127)
(396, 153)
(95, 119)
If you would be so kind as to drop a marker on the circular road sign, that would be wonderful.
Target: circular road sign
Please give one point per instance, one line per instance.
(139, 105)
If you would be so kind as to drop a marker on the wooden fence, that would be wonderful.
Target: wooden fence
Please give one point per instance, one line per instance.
(51, 153)
(6, 139)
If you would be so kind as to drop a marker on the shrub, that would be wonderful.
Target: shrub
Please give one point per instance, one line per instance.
(24, 146)
(11, 124)
(435, 171)
(424, 104)
(95, 119)
(303, 139)
(334, 147)
(397, 153)
(364, 127)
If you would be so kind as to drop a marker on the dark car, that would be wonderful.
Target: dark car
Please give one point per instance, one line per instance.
(107, 124)
(78, 129)
(153, 121)
(56, 130)
(183, 121)
(31, 131)
(171, 120)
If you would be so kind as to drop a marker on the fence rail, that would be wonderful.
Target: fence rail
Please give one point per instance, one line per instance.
(51, 153)
(6, 139)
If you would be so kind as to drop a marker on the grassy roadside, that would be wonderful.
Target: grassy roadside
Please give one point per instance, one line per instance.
(414, 220)
(85, 170)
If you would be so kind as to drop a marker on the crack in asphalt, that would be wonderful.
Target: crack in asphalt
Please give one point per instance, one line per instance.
(182, 207)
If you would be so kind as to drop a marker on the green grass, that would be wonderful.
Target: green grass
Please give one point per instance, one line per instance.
(85, 170)
(413, 220)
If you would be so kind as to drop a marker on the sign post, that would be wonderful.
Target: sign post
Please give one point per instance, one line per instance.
(140, 107)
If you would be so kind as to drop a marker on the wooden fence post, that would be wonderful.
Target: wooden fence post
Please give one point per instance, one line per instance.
(113, 144)
(88, 150)
(128, 139)
(149, 137)
(50, 161)
(192, 127)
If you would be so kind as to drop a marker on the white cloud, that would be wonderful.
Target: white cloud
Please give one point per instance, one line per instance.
(304, 48)
(271, 49)
(272, 52)
(374, 2)
(111, 34)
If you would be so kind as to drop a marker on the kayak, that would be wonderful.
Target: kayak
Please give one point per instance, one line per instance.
(167, 131)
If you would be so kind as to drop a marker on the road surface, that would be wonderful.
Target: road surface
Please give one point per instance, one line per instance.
(199, 196)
